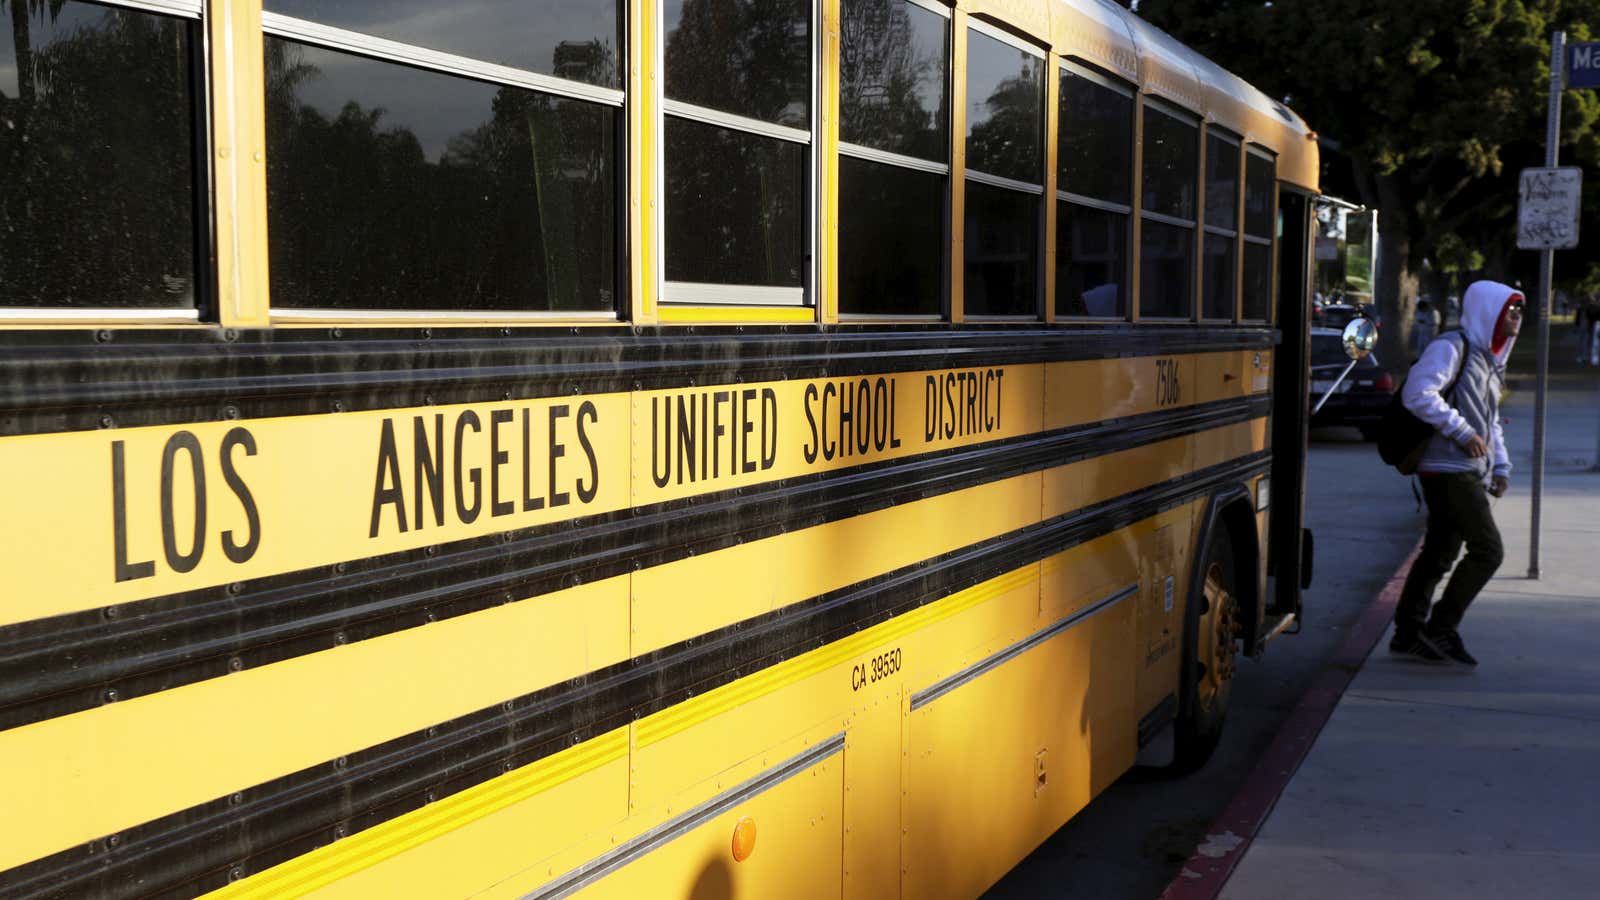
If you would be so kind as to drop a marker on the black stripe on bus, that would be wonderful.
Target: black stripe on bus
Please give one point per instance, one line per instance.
(81, 380)
(63, 664)
(206, 846)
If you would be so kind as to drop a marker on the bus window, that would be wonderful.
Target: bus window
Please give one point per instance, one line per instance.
(1166, 247)
(737, 151)
(1094, 195)
(1005, 171)
(1221, 228)
(394, 183)
(97, 160)
(894, 157)
(1260, 182)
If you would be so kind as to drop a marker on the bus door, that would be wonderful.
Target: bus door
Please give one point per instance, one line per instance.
(1289, 544)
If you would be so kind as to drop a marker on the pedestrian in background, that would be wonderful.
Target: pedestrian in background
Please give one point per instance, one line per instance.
(1464, 463)
(1424, 326)
(1587, 323)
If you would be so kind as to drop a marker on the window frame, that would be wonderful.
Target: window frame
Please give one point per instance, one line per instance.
(1195, 121)
(1207, 229)
(1131, 94)
(1270, 241)
(385, 50)
(691, 294)
(1037, 191)
(205, 292)
(918, 164)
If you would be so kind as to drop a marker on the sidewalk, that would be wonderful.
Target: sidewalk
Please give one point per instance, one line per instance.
(1456, 783)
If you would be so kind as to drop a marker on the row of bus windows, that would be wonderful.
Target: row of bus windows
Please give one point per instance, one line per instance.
(474, 162)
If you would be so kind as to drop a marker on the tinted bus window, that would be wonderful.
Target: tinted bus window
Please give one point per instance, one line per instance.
(1166, 271)
(573, 39)
(891, 239)
(390, 187)
(1096, 140)
(1093, 215)
(1091, 261)
(1005, 174)
(97, 166)
(894, 73)
(1260, 214)
(1002, 261)
(1217, 266)
(1221, 223)
(1171, 164)
(736, 190)
(893, 175)
(1005, 110)
(734, 206)
(1167, 243)
(746, 57)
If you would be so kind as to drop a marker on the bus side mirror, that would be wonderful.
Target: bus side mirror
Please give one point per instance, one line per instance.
(1360, 336)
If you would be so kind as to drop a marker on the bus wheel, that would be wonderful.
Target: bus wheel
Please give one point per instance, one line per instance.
(1210, 656)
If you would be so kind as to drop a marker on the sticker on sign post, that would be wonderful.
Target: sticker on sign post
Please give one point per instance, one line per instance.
(1547, 208)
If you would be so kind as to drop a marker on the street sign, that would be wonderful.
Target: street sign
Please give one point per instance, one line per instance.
(1583, 66)
(1547, 208)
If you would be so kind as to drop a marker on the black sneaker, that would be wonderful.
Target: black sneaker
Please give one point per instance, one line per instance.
(1449, 643)
(1417, 647)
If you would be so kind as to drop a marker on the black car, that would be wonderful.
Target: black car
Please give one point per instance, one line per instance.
(1360, 398)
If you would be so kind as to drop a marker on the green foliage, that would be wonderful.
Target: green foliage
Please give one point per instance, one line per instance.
(1443, 98)
(1438, 105)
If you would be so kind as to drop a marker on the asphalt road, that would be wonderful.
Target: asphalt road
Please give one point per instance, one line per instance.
(1132, 840)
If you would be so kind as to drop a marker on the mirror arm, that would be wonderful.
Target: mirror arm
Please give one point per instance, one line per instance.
(1336, 382)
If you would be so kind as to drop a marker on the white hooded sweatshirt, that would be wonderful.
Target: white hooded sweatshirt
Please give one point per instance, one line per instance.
(1473, 406)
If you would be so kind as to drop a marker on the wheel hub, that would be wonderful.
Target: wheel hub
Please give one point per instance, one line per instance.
(1218, 637)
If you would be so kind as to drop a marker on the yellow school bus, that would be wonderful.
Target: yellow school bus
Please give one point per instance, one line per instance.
(713, 449)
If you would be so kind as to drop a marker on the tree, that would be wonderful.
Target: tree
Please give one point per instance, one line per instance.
(1437, 103)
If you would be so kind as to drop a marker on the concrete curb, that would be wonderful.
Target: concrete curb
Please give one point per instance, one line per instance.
(1203, 876)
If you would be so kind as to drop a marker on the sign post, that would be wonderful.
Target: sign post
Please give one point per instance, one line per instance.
(1547, 220)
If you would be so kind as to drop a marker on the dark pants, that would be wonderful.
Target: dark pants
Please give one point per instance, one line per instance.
(1458, 512)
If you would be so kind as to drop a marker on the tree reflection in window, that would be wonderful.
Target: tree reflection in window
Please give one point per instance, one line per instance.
(747, 57)
(394, 188)
(97, 165)
(1005, 128)
(522, 34)
(893, 78)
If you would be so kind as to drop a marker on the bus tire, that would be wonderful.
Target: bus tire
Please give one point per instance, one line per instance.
(1210, 656)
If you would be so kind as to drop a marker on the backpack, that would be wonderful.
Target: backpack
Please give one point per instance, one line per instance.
(1402, 437)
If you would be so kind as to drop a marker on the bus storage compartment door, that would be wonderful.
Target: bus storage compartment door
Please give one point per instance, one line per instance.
(1060, 698)
(872, 765)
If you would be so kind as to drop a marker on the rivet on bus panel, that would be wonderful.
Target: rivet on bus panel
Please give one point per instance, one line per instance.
(744, 839)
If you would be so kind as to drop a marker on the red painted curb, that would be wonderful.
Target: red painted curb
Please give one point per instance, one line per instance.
(1230, 834)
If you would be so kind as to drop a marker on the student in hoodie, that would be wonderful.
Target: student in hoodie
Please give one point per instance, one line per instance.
(1465, 462)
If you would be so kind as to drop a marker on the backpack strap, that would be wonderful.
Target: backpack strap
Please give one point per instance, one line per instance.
(1466, 347)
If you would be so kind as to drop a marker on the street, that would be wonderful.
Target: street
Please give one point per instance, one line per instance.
(1132, 840)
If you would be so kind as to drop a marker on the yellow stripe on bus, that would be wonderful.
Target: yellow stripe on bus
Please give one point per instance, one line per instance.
(683, 716)
(368, 848)
(93, 773)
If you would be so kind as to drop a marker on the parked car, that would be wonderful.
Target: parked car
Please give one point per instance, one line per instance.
(1338, 315)
(1360, 398)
